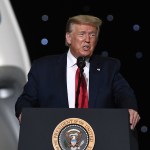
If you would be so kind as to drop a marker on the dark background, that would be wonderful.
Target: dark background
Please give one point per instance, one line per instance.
(117, 39)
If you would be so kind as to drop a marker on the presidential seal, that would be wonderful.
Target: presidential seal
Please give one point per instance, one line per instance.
(73, 134)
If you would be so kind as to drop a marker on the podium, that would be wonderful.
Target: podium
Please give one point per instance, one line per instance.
(73, 129)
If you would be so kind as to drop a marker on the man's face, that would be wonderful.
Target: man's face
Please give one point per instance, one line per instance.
(82, 40)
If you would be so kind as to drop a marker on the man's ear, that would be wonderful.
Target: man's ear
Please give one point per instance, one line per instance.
(68, 38)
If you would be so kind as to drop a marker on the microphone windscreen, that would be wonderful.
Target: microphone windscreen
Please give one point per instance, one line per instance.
(81, 62)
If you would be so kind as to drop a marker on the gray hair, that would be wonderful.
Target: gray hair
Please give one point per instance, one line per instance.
(83, 19)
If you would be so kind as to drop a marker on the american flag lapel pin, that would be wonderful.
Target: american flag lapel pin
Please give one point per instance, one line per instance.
(98, 69)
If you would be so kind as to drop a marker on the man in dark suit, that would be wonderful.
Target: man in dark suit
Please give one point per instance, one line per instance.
(51, 79)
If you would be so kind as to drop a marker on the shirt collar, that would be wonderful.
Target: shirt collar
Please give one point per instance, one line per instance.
(71, 60)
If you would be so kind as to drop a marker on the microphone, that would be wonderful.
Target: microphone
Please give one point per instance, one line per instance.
(81, 65)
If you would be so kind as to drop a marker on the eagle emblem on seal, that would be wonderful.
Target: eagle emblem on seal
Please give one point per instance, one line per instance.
(73, 137)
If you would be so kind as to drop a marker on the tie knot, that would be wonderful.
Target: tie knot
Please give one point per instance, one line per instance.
(80, 70)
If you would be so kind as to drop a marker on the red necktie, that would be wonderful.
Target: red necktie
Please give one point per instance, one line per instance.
(83, 95)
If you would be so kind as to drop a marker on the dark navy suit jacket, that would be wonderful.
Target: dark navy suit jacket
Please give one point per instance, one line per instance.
(47, 84)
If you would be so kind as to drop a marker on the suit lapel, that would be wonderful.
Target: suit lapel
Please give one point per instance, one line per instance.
(61, 79)
(94, 78)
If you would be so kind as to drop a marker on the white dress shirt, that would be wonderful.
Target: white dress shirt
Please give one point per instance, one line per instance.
(71, 71)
